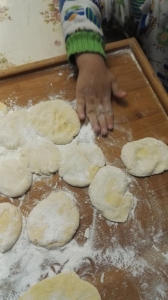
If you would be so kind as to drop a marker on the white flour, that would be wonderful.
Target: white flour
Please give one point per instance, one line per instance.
(86, 134)
(126, 52)
(26, 264)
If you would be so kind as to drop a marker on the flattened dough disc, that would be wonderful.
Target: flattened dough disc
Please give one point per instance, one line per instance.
(54, 221)
(10, 225)
(3, 109)
(145, 157)
(108, 192)
(15, 178)
(65, 286)
(41, 156)
(80, 162)
(16, 129)
(56, 121)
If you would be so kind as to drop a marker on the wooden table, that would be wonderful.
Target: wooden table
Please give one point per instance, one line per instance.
(143, 239)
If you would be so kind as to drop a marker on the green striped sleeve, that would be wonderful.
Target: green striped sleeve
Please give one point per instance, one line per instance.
(84, 41)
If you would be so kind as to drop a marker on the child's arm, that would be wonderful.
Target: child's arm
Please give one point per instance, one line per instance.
(81, 23)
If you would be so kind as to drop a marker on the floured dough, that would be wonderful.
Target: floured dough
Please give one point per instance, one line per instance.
(8, 154)
(145, 157)
(56, 121)
(80, 162)
(41, 156)
(16, 129)
(65, 286)
(15, 178)
(3, 109)
(10, 225)
(53, 222)
(109, 193)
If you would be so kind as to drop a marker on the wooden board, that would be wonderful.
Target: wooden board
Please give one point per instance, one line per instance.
(132, 257)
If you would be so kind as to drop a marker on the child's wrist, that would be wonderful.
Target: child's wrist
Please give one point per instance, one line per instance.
(84, 60)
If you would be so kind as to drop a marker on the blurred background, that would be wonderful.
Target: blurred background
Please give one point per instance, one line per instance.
(29, 31)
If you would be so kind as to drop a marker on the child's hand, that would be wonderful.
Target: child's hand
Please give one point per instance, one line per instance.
(94, 89)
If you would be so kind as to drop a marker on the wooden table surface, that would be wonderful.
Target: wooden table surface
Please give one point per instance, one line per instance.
(144, 236)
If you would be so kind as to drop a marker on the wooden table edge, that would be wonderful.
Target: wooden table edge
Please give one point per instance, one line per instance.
(130, 43)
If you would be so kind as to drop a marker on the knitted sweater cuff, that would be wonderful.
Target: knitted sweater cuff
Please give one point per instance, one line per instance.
(84, 41)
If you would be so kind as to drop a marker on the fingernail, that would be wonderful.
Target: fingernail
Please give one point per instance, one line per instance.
(122, 93)
(110, 127)
(96, 129)
(104, 132)
(82, 116)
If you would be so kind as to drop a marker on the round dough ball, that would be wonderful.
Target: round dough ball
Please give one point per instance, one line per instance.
(53, 222)
(3, 109)
(65, 286)
(79, 163)
(10, 226)
(41, 156)
(15, 178)
(109, 193)
(56, 121)
(145, 157)
(16, 129)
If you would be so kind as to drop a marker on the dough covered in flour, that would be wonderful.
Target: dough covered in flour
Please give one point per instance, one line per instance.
(109, 193)
(16, 129)
(3, 109)
(10, 225)
(80, 162)
(65, 286)
(53, 222)
(145, 157)
(15, 178)
(41, 156)
(56, 121)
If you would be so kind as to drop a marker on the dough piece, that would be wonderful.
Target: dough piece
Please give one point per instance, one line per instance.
(53, 222)
(41, 156)
(79, 163)
(15, 178)
(3, 109)
(8, 154)
(109, 193)
(16, 129)
(56, 121)
(10, 226)
(65, 286)
(145, 157)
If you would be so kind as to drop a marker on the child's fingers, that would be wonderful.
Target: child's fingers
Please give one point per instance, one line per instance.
(80, 107)
(101, 116)
(91, 114)
(117, 91)
(108, 112)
